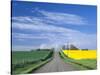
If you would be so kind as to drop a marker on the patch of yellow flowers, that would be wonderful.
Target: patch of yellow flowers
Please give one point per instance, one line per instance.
(80, 54)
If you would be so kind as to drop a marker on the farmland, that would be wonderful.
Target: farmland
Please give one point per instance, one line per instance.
(25, 61)
(80, 54)
(80, 59)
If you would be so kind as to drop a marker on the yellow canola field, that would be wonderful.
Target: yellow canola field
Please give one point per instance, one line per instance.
(80, 54)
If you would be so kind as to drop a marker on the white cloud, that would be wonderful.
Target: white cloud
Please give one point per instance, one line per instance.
(81, 40)
(57, 35)
(54, 18)
(23, 48)
(26, 19)
(64, 18)
(27, 36)
(37, 24)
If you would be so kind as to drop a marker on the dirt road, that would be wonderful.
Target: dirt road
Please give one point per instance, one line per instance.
(55, 65)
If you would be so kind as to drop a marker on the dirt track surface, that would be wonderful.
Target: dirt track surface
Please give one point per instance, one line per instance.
(55, 65)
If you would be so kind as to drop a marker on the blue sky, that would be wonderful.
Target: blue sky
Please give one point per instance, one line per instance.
(46, 25)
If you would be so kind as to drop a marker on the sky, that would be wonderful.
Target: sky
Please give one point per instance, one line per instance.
(47, 25)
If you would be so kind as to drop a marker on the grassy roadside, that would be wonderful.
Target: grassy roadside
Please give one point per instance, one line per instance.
(31, 67)
(32, 61)
(85, 64)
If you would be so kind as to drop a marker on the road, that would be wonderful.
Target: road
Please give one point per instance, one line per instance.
(55, 65)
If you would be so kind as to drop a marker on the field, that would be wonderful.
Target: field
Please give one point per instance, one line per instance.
(80, 54)
(80, 61)
(25, 61)
(30, 61)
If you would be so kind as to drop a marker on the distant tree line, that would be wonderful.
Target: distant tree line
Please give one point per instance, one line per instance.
(42, 49)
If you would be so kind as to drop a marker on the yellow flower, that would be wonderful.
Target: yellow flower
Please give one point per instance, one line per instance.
(80, 54)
